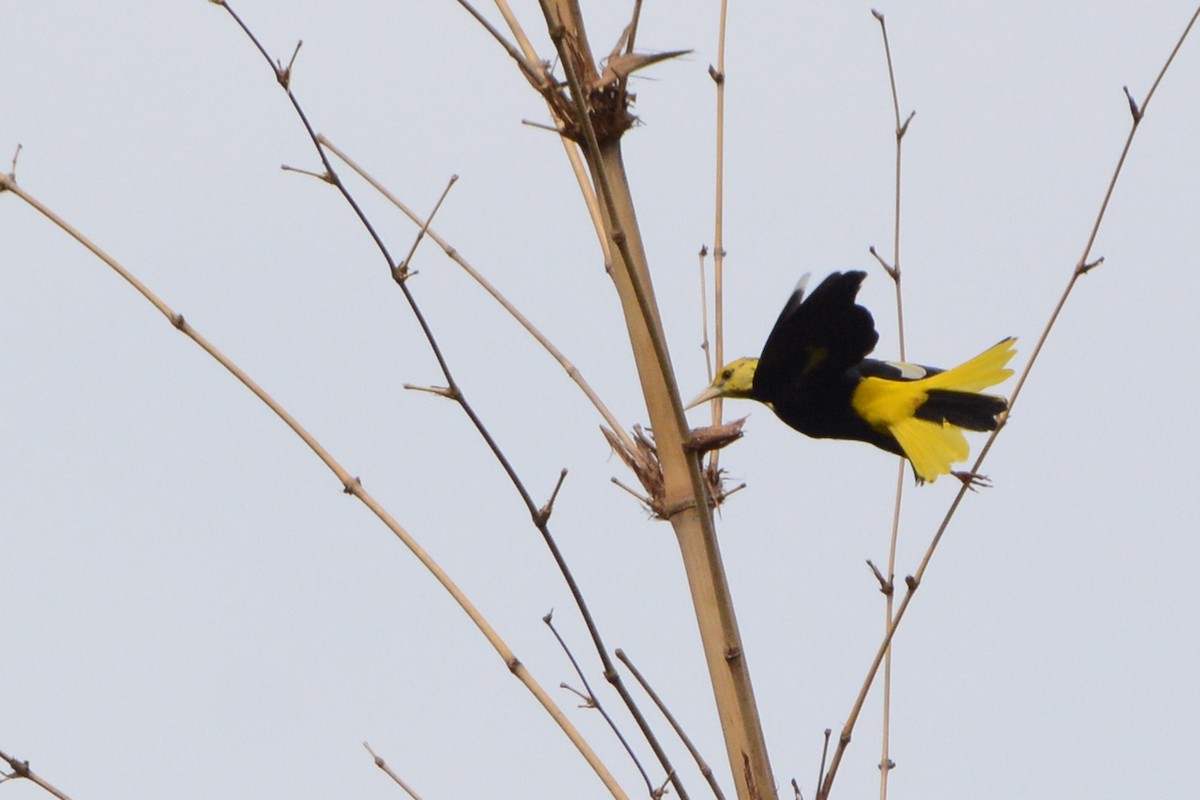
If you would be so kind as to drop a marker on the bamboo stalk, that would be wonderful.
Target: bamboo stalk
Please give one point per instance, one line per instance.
(684, 496)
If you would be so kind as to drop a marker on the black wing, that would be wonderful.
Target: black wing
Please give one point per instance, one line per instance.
(816, 337)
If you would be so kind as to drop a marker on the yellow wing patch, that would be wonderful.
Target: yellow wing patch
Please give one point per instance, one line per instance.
(884, 403)
(889, 406)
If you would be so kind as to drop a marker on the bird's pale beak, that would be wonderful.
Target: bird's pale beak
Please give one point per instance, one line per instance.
(711, 393)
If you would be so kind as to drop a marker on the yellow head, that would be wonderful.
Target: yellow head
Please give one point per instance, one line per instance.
(736, 379)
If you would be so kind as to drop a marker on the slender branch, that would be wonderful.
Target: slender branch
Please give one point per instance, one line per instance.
(524, 62)
(12, 171)
(593, 701)
(704, 343)
(718, 75)
(401, 270)
(545, 511)
(889, 602)
(641, 498)
(885, 760)
(633, 25)
(457, 257)
(283, 76)
(518, 32)
(701, 764)
(607, 197)
(379, 762)
(893, 270)
(540, 79)
(20, 769)
(824, 754)
(1082, 267)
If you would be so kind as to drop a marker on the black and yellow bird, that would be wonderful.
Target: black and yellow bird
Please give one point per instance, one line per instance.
(814, 374)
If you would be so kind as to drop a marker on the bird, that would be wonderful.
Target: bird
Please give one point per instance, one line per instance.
(814, 373)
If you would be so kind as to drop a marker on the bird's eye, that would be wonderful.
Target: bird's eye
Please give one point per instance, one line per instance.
(726, 374)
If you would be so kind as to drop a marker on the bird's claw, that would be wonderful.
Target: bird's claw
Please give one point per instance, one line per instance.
(973, 480)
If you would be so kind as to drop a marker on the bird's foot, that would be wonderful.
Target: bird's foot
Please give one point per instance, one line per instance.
(973, 480)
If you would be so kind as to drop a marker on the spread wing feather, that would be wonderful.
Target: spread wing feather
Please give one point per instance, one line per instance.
(815, 337)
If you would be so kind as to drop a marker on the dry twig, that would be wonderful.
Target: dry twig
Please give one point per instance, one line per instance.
(20, 769)
(379, 762)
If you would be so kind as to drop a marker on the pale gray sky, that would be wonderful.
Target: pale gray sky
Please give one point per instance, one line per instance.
(192, 608)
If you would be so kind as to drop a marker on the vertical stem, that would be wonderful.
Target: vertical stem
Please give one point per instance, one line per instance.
(885, 756)
(719, 219)
(684, 495)
(885, 759)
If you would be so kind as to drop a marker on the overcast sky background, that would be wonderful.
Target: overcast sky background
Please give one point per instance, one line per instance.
(192, 608)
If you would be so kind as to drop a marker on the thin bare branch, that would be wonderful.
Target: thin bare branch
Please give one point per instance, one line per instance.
(701, 764)
(543, 82)
(702, 257)
(321, 176)
(524, 61)
(901, 128)
(718, 76)
(20, 769)
(885, 585)
(594, 702)
(12, 171)
(401, 270)
(542, 126)
(545, 511)
(440, 391)
(641, 498)
(607, 197)
(510, 19)
(824, 754)
(379, 762)
(457, 257)
(893, 270)
(889, 591)
(633, 25)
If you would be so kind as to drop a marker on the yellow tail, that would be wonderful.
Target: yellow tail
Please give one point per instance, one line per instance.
(932, 446)
(984, 370)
